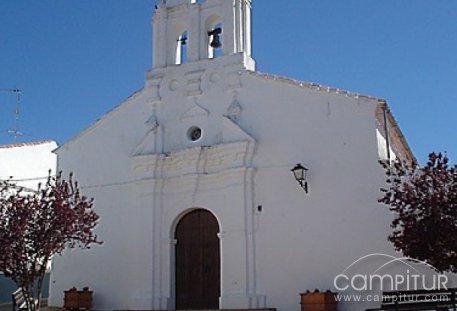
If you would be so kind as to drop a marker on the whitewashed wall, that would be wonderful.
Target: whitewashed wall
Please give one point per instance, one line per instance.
(29, 163)
(145, 174)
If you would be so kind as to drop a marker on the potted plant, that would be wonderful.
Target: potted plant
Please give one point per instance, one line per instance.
(78, 299)
(318, 301)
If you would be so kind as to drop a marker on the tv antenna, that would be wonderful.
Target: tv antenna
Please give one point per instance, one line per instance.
(14, 132)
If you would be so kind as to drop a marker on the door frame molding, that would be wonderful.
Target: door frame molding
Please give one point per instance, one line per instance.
(171, 183)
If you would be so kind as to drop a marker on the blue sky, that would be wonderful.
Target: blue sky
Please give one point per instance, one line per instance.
(74, 60)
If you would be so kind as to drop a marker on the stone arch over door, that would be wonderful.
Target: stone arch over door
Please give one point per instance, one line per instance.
(197, 261)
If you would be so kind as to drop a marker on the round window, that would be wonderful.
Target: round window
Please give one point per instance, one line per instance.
(194, 133)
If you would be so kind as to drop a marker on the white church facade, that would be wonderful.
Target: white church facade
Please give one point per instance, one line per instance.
(192, 179)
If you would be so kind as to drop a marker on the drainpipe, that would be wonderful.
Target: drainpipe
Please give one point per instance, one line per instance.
(386, 131)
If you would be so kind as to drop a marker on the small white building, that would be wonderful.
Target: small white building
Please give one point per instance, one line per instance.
(28, 163)
(191, 176)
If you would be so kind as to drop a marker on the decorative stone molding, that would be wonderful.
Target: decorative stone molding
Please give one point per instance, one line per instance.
(194, 81)
(234, 111)
(233, 131)
(214, 77)
(152, 141)
(152, 122)
(233, 73)
(193, 176)
(195, 111)
(153, 85)
(173, 85)
(233, 80)
(196, 160)
(147, 145)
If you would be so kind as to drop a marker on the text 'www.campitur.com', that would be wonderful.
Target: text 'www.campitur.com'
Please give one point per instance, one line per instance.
(384, 298)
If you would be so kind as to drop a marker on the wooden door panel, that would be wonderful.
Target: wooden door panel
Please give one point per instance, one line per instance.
(197, 261)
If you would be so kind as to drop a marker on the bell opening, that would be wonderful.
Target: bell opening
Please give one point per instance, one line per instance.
(215, 37)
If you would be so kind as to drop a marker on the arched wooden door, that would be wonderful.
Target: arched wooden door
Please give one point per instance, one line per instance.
(197, 261)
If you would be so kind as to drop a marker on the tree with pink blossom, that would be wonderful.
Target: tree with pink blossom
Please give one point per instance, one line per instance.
(36, 225)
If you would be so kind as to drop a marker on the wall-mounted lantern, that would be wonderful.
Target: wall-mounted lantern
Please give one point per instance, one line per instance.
(300, 173)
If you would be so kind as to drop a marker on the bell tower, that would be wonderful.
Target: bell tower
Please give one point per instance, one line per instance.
(187, 31)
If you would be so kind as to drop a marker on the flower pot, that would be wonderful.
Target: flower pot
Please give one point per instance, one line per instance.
(318, 301)
(71, 299)
(85, 299)
(77, 299)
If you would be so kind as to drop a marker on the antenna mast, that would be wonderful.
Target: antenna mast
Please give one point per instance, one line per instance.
(14, 132)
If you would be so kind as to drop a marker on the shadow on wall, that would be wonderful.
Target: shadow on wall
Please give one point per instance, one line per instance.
(7, 287)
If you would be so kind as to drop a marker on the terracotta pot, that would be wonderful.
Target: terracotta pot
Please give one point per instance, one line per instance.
(318, 301)
(71, 299)
(78, 299)
(85, 299)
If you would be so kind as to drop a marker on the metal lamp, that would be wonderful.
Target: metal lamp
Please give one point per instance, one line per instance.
(300, 173)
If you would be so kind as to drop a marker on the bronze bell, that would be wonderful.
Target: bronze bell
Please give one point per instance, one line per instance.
(183, 40)
(216, 42)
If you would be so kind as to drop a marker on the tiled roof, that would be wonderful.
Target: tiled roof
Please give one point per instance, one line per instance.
(313, 86)
(26, 144)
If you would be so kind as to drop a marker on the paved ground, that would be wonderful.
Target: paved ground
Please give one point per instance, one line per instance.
(5, 307)
(9, 308)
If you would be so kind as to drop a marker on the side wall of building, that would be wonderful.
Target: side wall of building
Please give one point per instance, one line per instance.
(28, 163)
